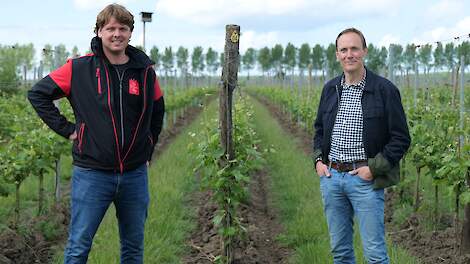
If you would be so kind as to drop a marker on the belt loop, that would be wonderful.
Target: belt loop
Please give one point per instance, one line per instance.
(354, 165)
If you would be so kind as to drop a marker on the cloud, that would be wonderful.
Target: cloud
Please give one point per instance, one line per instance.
(387, 40)
(252, 39)
(271, 14)
(445, 9)
(209, 12)
(444, 34)
(95, 4)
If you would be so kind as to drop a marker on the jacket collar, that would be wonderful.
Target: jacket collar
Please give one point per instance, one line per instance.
(137, 58)
(371, 79)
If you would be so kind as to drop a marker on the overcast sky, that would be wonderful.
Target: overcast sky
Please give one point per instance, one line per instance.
(191, 23)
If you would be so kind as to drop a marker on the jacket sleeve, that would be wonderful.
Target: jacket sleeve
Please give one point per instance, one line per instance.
(318, 129)
(54, 86)
(400, 139)
(158, 111)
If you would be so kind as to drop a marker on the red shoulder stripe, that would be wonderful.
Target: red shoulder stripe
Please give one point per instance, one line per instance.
(158, 93)
(63, 77)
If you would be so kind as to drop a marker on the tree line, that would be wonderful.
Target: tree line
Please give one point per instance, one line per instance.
(17, 60)
(280, 60)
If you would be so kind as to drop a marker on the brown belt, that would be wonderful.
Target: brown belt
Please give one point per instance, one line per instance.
(347, 166)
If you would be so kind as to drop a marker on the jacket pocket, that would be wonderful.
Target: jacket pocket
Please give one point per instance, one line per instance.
(81, 131)
(384, 173)
(374, 112)
(327, 115)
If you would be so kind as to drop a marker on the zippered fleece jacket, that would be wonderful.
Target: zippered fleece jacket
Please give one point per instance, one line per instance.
(118, 116)
(385, 130)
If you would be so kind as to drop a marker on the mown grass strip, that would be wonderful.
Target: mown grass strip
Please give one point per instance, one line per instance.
(296, 193)
(169, 219)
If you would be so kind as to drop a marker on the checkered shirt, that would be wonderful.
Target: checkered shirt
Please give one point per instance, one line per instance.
(346, 141)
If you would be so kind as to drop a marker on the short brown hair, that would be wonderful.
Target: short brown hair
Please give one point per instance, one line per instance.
(119, 12)
(352, 30)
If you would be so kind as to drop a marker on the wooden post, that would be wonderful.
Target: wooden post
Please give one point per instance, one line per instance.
(57, 169)
(227, 84)
(57, 181)
(465, 246)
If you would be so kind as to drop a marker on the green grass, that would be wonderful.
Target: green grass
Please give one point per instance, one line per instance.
(169, 217)
(295, 191)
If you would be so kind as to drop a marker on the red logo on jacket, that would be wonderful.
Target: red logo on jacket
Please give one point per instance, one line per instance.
(133, 87)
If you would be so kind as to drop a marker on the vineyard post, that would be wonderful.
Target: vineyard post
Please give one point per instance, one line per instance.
(57, 168)
(462, 101)
(415, 91)
(57, 180)
(465, 246)
(40, 69)
(228, 83)
(299, 91)
(390, 63)
(175, 84)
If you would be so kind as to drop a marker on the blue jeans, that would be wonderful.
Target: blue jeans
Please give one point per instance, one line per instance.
(92, 193)
(345, 196)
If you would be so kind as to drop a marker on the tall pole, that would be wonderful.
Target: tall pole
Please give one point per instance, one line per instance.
(144, 37)
(415, 91)
(146, 17)
(465, 245)
(462, 94)
(390, 63)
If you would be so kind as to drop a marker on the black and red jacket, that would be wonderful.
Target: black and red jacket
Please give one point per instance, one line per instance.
(118, 119)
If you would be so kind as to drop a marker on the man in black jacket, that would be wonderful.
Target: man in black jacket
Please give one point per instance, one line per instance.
(360, 136)
(118, 107)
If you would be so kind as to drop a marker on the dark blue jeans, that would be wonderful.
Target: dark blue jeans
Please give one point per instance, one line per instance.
(92, 193)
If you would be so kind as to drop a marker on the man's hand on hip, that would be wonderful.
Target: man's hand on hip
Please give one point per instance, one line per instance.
(363, 172)
(73, 136)
(322, 169)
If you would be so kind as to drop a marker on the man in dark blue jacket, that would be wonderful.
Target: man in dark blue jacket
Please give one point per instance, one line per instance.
(360, 136)
(118, 107)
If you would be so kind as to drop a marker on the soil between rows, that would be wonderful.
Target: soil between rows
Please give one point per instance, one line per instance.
(261, 222)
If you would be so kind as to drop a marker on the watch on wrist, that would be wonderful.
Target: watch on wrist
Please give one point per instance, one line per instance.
(317, 160)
